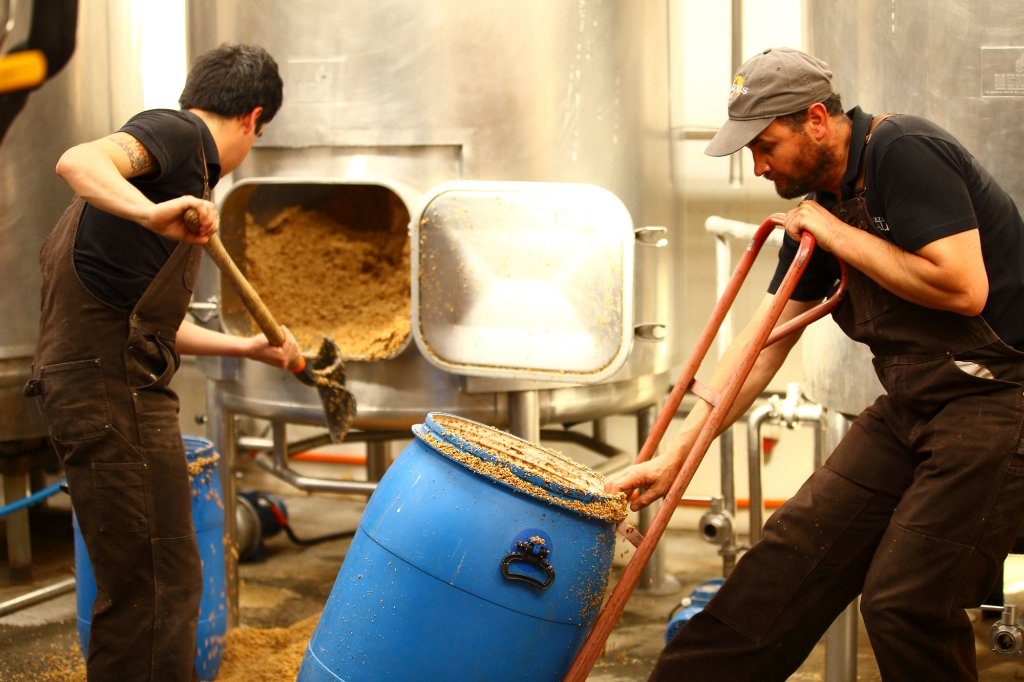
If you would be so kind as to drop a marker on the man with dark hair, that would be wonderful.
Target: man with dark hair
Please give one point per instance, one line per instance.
(118, 272)
(919, 504)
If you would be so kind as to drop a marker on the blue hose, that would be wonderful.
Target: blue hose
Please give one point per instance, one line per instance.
(35, 497)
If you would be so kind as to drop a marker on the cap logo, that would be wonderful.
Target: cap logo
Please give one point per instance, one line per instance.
(737, 88)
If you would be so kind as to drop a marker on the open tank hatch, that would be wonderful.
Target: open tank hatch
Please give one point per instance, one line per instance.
(328, 258)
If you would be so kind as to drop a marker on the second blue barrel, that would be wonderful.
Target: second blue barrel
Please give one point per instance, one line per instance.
(480, 556)
(208, 519)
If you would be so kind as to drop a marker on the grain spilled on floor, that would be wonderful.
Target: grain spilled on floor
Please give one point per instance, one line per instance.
(265, 654)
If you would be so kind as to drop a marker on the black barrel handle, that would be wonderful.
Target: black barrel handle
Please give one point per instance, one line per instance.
(534, 554)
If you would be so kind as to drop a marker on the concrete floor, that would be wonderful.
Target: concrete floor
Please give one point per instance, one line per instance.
(292, 583)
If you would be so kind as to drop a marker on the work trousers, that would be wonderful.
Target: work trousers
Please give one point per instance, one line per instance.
(916, 514)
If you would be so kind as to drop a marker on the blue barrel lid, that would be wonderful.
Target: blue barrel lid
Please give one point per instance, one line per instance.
(521, 465)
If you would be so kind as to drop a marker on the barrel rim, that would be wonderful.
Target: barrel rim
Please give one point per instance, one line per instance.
(590, 503)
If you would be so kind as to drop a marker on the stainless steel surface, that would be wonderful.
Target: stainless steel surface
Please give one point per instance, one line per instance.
(19, 541)
(884, 54)
(311, 483)
(1006, 636)
(837, 370)
(278, 466)
(378, 459)
(523, 280)
(73, 107)
(399, 95)
(841, 646)
(841, 637)
(654, 579)
(736, 57)
(727, 532)
(381, 205)
(220, 427)
(716, 525)
(36, 596)
(524, 415)
(755, 468)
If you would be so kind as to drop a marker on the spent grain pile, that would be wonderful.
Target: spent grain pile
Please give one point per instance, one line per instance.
(340, 269)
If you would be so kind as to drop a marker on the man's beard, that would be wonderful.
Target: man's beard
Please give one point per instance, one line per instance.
(812, 168)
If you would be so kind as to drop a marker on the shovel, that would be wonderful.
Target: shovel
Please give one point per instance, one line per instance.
(325, 370)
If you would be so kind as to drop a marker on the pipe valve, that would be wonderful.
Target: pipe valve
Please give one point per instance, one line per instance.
(1006, 636)
(716, 524)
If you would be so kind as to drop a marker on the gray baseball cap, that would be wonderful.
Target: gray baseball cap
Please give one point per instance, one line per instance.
(776, 82)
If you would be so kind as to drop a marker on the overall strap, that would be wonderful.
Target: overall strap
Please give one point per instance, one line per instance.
(859, 185)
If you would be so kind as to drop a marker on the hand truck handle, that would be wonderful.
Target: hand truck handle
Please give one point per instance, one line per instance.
(763, 336)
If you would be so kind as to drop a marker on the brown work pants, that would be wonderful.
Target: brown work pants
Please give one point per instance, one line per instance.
(916, 510)
(102, 380)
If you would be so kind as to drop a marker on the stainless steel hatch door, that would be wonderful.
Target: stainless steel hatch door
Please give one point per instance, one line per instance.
(523, 280)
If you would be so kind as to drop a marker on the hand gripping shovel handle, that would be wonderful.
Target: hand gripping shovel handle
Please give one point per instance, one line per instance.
(721, 403)
(250, 297)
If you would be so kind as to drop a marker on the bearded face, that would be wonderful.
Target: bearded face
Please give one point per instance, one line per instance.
(805, 170)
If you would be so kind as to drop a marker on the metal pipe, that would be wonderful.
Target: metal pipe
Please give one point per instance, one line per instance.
(524, 415)
(277, 465)
(841, 638)
(591, 443)
(220, 428)
(36, 596)
(736, 51)
(32, 499)
(249, 443)
(727, 456)
(654, 580)
(755, 468)
(378, 459)
(19, 539)
(313, 484)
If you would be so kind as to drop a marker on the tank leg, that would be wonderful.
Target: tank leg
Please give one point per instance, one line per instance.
(19, 542)
(841, 638)
(654, 580)
(524, 415)
(378, 459)
(220, 428)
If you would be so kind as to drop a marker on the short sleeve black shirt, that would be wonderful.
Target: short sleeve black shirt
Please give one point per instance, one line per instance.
(116, 259)
(922, 186)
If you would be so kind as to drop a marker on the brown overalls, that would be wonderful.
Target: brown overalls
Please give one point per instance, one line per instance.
(916, 509)
(101, 377)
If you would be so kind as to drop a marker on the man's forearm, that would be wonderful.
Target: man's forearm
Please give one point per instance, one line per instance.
(195, 340)
(939, 276)
(95, 178)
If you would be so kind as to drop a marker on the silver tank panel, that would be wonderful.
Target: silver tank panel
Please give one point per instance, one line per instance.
(948, 62)
(409, 95)
(73, 107)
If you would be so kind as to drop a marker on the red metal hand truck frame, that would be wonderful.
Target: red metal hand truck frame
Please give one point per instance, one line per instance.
(721, 402)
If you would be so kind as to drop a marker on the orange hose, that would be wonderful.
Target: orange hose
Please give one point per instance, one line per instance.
(740, 504)
(329, 458)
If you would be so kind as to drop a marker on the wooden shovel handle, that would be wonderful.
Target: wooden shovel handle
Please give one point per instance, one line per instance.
(253, 303)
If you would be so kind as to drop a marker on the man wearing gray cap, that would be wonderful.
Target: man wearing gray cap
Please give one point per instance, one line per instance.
(918, 506)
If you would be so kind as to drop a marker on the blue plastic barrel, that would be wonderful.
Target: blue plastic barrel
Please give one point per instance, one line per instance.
(691, 606)
(480, 556)
(208, 519)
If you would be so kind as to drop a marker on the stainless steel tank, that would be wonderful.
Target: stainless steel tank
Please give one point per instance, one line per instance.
(959, 63)
(403, 96)
(73, 107)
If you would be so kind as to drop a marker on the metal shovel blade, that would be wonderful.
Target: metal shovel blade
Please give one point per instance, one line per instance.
(326, 372)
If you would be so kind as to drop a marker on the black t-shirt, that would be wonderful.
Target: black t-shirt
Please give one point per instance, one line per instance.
(116, 259)
(923, 185)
